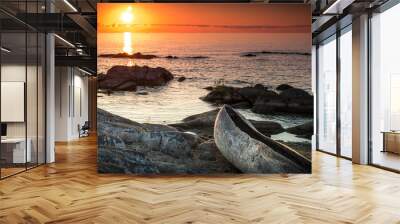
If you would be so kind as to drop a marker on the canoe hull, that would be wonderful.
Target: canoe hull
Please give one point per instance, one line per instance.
(250, 151)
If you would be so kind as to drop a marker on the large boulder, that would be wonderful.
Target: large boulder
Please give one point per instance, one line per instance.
(298, 101)
(125, 146)
(291, 100)
(223, 95)
(127, 78)
(269, 105)
(282, 87)
(305, 130)
(252, 93)
(267, 127)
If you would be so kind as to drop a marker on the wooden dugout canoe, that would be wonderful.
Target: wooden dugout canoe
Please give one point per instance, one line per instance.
(252, 152)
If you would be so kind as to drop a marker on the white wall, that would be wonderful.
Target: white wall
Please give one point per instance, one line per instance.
(71, 102)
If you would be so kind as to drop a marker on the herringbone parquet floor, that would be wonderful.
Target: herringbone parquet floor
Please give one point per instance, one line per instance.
(71, 191)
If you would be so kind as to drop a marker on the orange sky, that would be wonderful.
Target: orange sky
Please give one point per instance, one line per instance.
(185, 17)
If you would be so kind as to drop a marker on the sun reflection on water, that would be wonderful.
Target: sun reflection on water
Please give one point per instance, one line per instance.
(127, 43)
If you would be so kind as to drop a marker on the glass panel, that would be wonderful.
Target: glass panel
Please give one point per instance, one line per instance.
(32, 88)
(385, 89)
(41, 98)
(31, 98)
(346, 94)
(327, 96)
(13, 87)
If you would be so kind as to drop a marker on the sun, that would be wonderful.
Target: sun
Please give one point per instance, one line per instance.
(127, 16)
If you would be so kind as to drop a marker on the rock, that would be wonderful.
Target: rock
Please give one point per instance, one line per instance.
(197, 57)
(126, 86)
(298, 101)
(305, 130)
(294, 93)
(242, 105)
(127, 78)
(181, 79)
(292, 100)
(249, 55)
(269, 105)
(142, 93)
(267, 127)
(204, 119)
(189, 57)
(137, 55)
(223, 95)
(125, 146)
(209, 88)
(282, 87)
(252, 93)
(171, 57)
(282, 52)
(262, 100)
(260, 86)
(208, 150)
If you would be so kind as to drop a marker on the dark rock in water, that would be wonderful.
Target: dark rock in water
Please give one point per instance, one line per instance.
(127, 78)
(189, 57)
(125, 146)
(305, 130)
(252, 93)
(291, 100)
(131, 56)
(209, 88)
(298, 101)
(282, 87)
(249, 55)
(181, 79)
(283, 52)
(223, 95)
(242, 105)
(233, 95)
(267, 127)
(294, 93)
(260, 86)
(262, 100)
(126, 86)
(197, 57)
(203, 119)
(269, 104)
(171, 57)
(142, 93)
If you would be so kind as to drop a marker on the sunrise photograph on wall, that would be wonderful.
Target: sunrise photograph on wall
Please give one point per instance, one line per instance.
(204, 88)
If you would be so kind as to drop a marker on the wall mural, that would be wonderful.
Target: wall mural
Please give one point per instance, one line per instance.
(204, 88)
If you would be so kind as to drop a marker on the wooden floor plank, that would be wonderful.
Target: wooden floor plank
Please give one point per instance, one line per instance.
(71, 191)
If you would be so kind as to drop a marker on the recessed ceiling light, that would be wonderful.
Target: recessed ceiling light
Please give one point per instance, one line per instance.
(84, 71)
(70, 5)
(5, 50)
(64, 40)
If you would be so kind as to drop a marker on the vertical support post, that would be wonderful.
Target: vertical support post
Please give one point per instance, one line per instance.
(50, 92)
(360, 89)
(338, 76)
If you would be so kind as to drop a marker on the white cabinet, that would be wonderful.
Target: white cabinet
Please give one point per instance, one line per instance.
(19, 155)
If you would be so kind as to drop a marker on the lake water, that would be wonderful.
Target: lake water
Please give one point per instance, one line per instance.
(224, 65)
